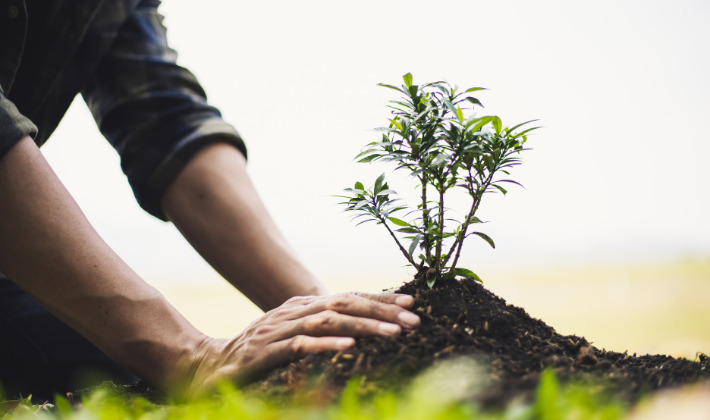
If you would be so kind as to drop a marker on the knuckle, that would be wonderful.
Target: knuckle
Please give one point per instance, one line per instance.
(363, 295)
(262, 329)
(249, 354)
(295, 299)
(378, 310)
(322, 319)
(297, 346)
(278, 313)
(327, 318)
(338, 303)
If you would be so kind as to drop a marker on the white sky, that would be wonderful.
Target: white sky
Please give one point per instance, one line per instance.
(618, 173)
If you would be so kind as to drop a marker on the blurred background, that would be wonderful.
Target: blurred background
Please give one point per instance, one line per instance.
(610, 238)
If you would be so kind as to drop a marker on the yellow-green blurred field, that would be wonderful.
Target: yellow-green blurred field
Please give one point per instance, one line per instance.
(653, 308)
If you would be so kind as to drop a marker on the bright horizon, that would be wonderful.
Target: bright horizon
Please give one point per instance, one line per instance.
(617, 174)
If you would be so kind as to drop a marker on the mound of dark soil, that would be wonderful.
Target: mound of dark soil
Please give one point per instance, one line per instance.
(464, 319)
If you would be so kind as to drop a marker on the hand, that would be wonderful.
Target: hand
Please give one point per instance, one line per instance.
(302, 325)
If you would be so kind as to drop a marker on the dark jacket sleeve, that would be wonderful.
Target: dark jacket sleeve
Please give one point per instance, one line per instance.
(151, 110)
(13, 125)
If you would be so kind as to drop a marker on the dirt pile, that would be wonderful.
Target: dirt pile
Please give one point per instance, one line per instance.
(464, 319)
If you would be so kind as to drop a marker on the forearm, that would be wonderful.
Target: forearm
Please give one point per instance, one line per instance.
(48, 247)
(214, 204)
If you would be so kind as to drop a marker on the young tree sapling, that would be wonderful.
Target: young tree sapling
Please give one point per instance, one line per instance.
(436, 136)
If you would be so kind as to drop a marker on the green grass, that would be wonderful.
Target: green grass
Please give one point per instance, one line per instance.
(421, 401)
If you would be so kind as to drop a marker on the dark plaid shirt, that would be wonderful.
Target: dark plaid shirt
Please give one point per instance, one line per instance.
(113, 52)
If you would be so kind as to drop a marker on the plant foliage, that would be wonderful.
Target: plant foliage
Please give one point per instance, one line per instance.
(436, 135)
(553, 401)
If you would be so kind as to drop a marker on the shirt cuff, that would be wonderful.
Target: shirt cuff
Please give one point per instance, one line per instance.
(150, 193)
(13, 126)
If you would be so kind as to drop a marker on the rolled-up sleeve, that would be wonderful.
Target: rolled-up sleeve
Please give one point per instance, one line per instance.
(13, 125)
(151, 110)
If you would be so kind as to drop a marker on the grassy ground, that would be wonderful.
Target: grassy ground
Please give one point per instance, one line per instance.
(424, 400)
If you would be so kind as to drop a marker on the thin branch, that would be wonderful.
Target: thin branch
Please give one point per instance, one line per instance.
(425, 219)
(440, 242)
(401, 248)
(472, 212)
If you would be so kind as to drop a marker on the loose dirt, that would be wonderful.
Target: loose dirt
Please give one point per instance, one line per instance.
(462, 318)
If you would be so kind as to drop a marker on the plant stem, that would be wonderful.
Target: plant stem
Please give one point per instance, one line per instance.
(458, 244)
(401, 248)
(440, 242)
(425, 220)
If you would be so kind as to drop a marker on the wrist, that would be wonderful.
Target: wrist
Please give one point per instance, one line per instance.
(152, 339)
(201, 368)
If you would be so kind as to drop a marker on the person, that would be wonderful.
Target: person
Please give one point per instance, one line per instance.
(72, 305)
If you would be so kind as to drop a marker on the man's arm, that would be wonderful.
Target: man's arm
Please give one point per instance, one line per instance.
(50, 250)
(215, 206)
(155, 113)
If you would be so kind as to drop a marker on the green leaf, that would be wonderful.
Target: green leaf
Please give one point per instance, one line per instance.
(474, 89)
(408, 79)
(359, 186)
(480, 122)
(408, 229)
(63, 406)
(485, 238)
(547, 402)
(467, 273)
(440, 159)
(515, 127)
(459, 113)
(386, 192)
(360, 205)
(499, 188)
(413, 90)
(522, 133)
(398, 222)
(391, 87)
(396, 209)
(497, 124)
(511, 181)
(378, 183)
(366, 153)
(368, 159)
(415, 242)
(449, 105)
(474, 101)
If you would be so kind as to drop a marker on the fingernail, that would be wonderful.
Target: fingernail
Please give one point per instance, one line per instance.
(408, 318)
(344, 343)
(404, 300)
(389, 328)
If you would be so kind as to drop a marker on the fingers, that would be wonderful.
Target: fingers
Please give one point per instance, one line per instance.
(385, 307)
(306, 325)
(332, 323)
(298, 346)
(301, 345)
(405, 301)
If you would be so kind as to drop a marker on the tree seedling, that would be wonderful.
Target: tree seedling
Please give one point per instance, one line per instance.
(435, 135)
